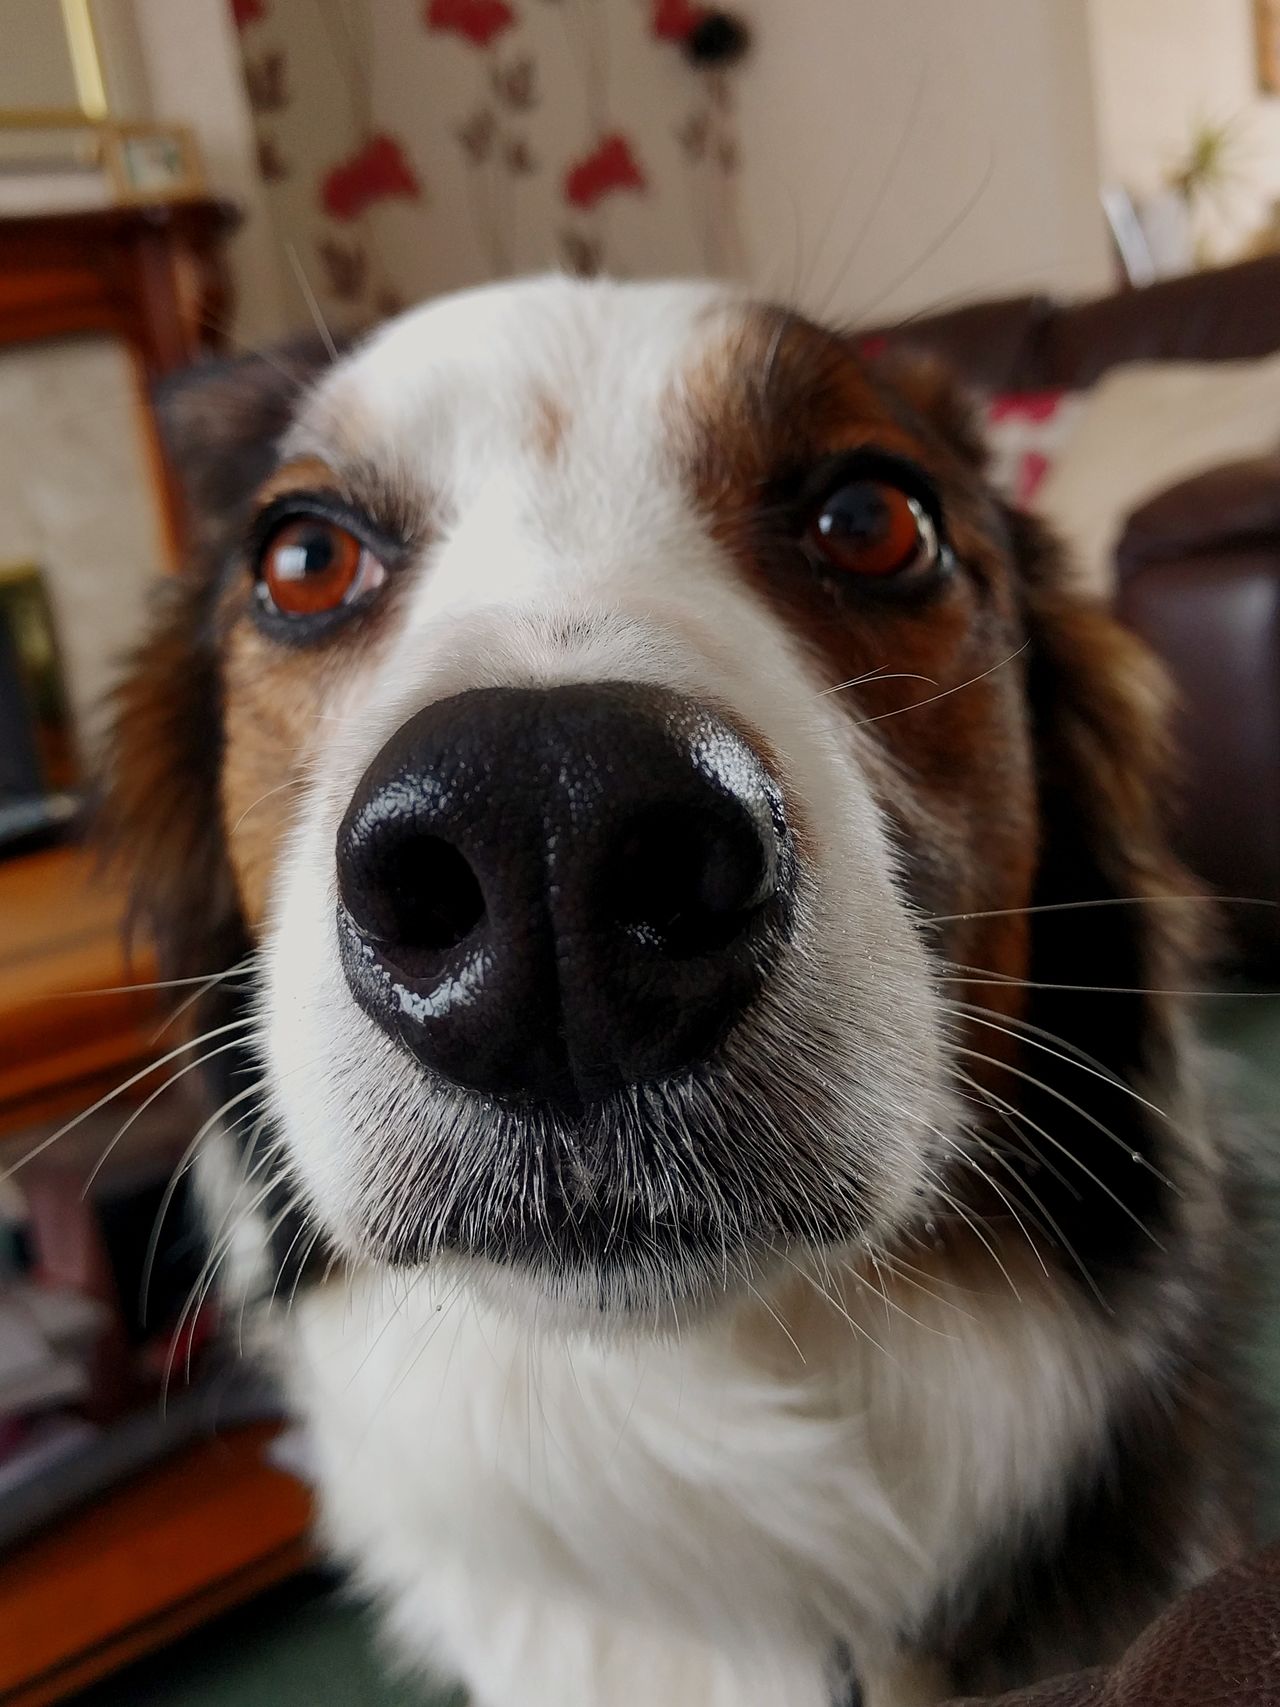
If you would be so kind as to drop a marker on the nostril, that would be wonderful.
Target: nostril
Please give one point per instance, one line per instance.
(421, 899)
(689, 881)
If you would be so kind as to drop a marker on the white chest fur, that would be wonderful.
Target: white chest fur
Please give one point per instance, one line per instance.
(632, 1524)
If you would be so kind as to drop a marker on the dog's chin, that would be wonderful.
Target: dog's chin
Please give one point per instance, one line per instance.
(613, 1300)
(601, 1221)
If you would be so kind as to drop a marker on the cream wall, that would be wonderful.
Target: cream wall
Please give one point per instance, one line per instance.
(900, 153)
(1162, 66)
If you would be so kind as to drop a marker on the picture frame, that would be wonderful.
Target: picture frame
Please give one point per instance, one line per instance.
(35, 717)
(152, 163)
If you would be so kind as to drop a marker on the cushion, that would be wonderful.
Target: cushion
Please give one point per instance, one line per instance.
(1142, 428)
(1027, 432)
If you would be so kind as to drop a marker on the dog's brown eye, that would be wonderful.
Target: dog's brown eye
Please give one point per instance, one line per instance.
(870, 527)
(310, 566)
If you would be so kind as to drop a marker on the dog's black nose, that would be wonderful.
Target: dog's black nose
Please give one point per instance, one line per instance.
(551, 893)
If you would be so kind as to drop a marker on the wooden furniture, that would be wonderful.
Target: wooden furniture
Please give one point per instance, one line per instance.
(214, 1523)
(72, 1025)
(151, 276)
(159, 1555)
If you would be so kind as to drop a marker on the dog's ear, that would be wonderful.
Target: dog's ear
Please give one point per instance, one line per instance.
(160, 819)
(1119, 927)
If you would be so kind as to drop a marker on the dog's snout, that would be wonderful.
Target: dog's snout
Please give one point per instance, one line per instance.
(553, 893)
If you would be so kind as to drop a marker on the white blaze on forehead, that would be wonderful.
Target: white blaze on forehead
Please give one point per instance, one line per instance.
(454, 388)
(452, 401)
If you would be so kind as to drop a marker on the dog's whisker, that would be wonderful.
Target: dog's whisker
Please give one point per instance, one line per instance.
(179, 1172)
(1070, 1154)
(880, 1290)
(908, 1274)
(1051, 1226)
(971, 681)
(886, 181)
(293, 782)
(1072, 1050)
(136, 1115)
(1135, 1156)
(740, 1270)
(1023, 1144)
(1191, 898)
(219, 1245)
(958, 1208)
(46, 1143)
(962, 974)
(879, 676)
(858, 1328)
(967, 1159)
(974, 1016)
(311, 300)
(205, 979)
(195, 995)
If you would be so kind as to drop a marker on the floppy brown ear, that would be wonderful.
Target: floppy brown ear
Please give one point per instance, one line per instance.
(159, 819)
(1104, 974)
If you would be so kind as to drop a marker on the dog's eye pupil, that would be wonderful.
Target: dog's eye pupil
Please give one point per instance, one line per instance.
(869, 527)
(311, 565)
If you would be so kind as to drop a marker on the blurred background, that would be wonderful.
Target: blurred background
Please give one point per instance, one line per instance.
(1077, 202)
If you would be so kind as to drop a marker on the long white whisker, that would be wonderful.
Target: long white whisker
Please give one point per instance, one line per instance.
(1100, 901)
(135, 1078)
(946, 692)
(160, 1090)
(975, 1018)
(1065, 1149)
(184, 1162)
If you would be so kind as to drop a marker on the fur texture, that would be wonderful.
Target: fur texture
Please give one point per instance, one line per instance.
(950, 1393)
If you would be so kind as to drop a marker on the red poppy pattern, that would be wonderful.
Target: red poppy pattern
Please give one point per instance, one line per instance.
(480, 22)
(611, 166)
(375, 173)
(675, 20)
(246, 12)
(499, 77)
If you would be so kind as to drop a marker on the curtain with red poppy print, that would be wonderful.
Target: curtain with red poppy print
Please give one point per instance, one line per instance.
(413, 146)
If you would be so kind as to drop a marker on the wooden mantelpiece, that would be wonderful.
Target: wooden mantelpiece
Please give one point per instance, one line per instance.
(154, 277)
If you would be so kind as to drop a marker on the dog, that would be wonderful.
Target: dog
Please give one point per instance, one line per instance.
(707, 1120)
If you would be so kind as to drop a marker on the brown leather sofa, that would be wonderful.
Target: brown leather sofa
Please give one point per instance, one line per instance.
(1198, 567)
